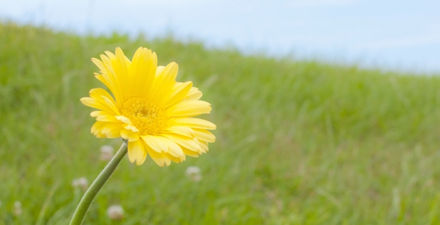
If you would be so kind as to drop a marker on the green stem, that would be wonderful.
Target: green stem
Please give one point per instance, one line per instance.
(90, 194)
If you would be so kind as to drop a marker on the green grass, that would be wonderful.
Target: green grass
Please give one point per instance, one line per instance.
(297, 142)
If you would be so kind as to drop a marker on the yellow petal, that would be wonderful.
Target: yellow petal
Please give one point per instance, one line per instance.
(163, 84)
(180, 130)
(113, 88)
(120, 66)
(182, 141)
(111, 77)
(173, 148)
(189, 108)
(102, 99)
(159, 70)
(131, 127)
(190, 152)
(176, 159)
(111, 130)
(161, 159)
(155, 143)
(136, 152)
(93, 103)
(111, 103)
(204, 135)
(142, 72)
(96, 129)
(124, 119)
(194, 94)
(127, 124)
(129, 135)
(107, 118)
(179, 92)
(204, 146)
(195, 123)
(106, 129)
(105, 78)
(98, 113)
(100, 65)
(104, 116)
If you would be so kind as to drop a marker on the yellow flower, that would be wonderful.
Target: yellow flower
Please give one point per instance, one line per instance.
(149, 109)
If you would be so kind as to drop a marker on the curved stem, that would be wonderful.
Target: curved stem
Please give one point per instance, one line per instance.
(102, 178)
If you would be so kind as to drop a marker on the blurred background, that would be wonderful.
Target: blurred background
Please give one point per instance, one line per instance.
(392, 34)
(327, 111)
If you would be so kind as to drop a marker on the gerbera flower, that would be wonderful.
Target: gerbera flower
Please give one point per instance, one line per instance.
(149, 109)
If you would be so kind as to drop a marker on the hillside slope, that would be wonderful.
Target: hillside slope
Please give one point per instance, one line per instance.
(297, 142)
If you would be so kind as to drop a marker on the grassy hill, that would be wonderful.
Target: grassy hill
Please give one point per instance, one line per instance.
(297, 142)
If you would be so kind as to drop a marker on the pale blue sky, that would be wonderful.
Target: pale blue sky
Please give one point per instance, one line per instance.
(394, 34)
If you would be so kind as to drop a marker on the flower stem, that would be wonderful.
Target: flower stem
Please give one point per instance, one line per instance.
(89, 196)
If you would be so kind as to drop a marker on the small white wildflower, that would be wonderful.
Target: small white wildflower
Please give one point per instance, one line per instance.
(81, 182)
(106, 153)
(193, 173)
(17, 208)
(115, 212)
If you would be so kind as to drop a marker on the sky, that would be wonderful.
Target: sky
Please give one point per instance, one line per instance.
(388, 34)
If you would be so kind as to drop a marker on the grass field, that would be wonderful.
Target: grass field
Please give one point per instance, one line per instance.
(297, 142)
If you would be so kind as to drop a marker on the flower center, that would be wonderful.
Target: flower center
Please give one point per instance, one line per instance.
(147, 117)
